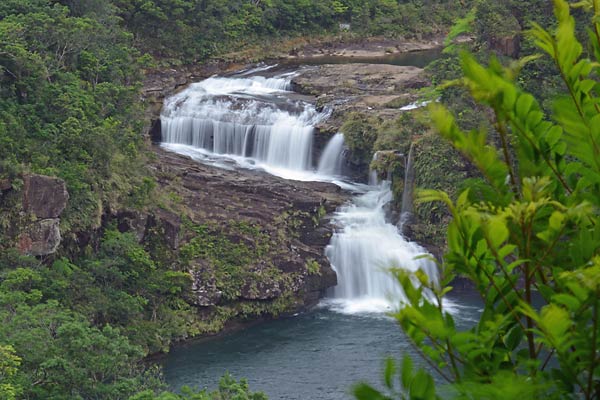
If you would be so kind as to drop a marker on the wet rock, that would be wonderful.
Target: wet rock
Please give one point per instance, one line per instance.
(170, 223)
(44, 196)
(156, 131)
(40, 238)
(204, 288)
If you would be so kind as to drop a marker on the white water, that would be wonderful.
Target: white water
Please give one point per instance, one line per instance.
(363, 251)
(249, 117)
(332, 157)
(250, 121)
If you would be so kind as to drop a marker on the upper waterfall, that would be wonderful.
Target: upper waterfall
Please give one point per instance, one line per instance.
(251, 117)
(332, 157)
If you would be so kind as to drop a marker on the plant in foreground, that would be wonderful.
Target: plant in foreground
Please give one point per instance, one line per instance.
(527, 236)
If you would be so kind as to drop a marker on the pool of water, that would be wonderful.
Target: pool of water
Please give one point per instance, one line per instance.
(317, 355)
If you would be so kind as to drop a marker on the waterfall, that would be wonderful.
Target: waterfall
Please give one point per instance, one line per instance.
(332, 157)
(364, 249)
(256, 118)
(250, 117)
(409, 184)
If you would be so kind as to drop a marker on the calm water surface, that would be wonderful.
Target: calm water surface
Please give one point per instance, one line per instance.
(318, 355)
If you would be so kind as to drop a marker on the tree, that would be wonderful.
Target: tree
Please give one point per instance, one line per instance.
(9, 364)
(527, 235)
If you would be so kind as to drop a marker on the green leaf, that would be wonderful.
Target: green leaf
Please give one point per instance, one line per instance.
(363, 391)
(406, 372)
(390, 370)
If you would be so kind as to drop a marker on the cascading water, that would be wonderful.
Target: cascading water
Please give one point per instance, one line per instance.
(332, 157)
(254, 118)
(249, 117)
(364, 249)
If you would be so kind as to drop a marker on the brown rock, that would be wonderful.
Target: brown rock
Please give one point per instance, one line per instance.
(44, 196)
(509, 46)
(288, 212)
(171, 226)
(40, 238)
(5, 184)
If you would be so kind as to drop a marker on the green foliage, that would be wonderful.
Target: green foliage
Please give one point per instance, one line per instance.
(169, 29)
(412, 384)
(313, 267)
(527, 238)
(229, 389)
(63, 357)
(230, 253)
(68, 88)
(9, 367)
(435, 155)
(360, 134)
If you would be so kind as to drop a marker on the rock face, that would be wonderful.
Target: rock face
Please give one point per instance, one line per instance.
(44, 197)
(377, 90)
(33, 213)
(357, 79)
(40, 238)
(509, 46)
(283, 222)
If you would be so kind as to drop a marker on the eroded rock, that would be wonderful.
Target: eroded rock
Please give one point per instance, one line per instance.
(40, 238)
(253, 210)
(44, 196)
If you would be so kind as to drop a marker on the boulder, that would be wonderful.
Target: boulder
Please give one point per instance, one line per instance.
(204, 290)
(43, 196)
(40, 238)
(509, 46)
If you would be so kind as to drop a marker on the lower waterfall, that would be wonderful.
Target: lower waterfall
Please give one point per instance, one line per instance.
(363, 250)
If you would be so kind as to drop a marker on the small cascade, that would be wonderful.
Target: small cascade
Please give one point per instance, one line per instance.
(249, 117)
(409, 184)
(364, 249)
(332, 157)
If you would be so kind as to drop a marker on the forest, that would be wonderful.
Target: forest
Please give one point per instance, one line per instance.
(82, 323)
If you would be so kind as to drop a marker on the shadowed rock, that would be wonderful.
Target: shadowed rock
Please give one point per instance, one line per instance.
(40, 238)
(44, 196)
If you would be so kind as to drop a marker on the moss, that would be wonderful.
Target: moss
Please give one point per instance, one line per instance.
(437, 166)
(313, 267)
(319, 214)
(360, 133)
(230, 251)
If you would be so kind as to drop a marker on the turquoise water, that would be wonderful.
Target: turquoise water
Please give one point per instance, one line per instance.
(318, 355)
